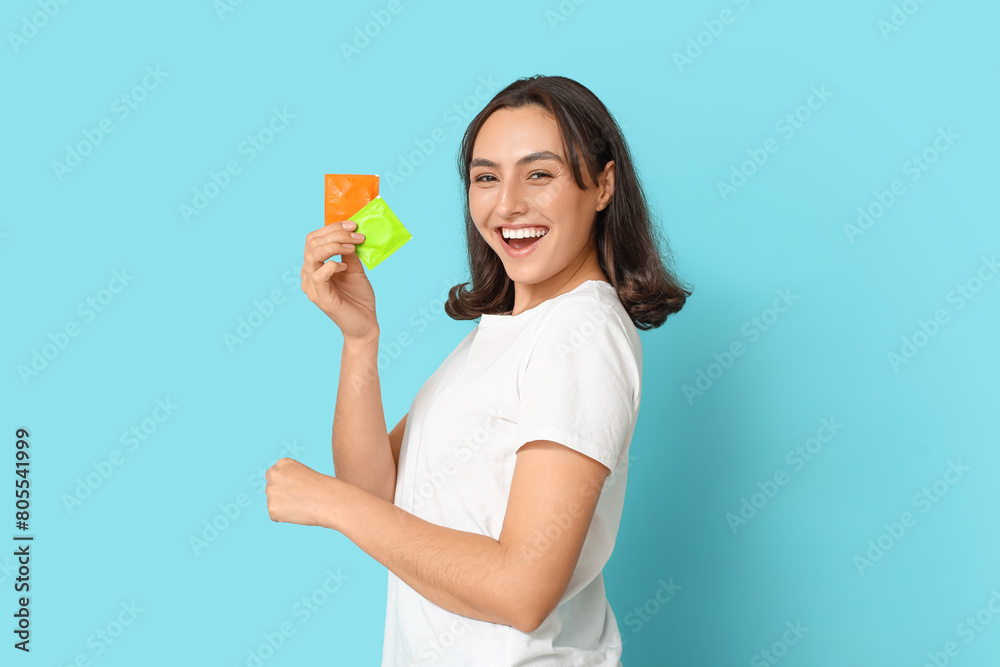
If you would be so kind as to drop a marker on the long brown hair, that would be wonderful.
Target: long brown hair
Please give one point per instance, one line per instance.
(632, 254)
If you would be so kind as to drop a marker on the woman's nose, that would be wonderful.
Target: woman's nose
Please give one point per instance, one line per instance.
(511, 200)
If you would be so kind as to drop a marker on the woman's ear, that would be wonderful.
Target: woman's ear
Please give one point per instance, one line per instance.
(606, 185)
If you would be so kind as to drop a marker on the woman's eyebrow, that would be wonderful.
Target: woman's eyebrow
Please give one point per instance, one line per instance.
(530, 157)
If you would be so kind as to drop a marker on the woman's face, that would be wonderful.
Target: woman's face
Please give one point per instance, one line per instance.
(520, 178)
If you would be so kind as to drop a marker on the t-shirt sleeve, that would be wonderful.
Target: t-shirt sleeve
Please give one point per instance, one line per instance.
(580, 384)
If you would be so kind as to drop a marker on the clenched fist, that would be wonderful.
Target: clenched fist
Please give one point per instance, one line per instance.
(298, 494)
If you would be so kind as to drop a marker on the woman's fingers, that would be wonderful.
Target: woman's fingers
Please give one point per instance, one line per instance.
(351, 261)
(329, 249)
(317, 284)
(324, 243)
(323, 273)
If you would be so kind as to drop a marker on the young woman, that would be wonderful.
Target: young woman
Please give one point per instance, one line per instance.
(495, 501)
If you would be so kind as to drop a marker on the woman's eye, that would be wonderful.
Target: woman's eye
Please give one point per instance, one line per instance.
(486, 178)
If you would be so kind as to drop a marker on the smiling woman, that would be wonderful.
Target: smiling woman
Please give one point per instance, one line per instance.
(495, 501)
(565, 267)
(534, 194)
(546, 153)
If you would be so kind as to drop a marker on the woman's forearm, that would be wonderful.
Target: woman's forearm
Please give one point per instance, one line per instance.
(361, 450)
(460, 571)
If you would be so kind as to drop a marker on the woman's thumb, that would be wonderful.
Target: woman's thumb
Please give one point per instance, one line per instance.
(325, 272)
(352, 261)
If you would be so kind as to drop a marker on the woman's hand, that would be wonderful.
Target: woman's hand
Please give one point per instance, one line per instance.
(342, 292)
(298, 494)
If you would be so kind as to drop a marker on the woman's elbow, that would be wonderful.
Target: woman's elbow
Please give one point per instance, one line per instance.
(529, 623)
(529, 591)
(528, 605)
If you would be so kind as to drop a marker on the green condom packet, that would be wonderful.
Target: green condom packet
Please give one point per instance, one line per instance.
(384, 233)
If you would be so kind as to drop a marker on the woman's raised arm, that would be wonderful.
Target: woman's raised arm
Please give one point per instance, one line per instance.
(362, 453)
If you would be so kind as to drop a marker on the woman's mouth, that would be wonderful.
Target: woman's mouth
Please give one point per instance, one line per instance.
(521, 242)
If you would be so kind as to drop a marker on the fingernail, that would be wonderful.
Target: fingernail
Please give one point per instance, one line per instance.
(350, 224)
(358, 237)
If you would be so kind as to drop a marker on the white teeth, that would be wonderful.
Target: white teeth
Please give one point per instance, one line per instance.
(527, 232)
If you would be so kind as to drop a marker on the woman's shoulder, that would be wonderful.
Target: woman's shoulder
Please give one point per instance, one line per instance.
(596, 302)
(589, 336)
(593, 308)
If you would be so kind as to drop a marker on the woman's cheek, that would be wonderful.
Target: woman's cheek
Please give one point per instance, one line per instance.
(481, 208)
(478, 217)
(545, 196)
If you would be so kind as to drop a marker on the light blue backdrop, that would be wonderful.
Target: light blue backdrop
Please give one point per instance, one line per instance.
(814, 471)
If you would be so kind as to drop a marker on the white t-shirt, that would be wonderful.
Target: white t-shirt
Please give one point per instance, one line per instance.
(568, 370)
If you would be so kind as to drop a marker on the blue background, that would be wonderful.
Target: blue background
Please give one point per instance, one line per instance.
(695, 457)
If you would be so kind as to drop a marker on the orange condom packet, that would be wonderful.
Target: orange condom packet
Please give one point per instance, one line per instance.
(346, 194)
(384, 233)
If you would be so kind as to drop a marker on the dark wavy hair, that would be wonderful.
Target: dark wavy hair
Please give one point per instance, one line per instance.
(632, 254)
